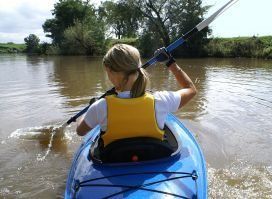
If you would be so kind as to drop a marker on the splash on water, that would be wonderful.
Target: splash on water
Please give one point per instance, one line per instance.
(4, 191)
(46, 135)
(42, 158)
(40, 132)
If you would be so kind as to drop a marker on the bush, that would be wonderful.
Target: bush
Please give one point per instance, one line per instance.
(255, 47)
(267, 52)
(129, 41)
(32, 44)
(83, 38)
(148, 44)
(53, 50)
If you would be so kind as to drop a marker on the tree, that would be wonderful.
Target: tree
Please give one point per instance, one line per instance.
(155, 22)
(169, 19)
(32, 43)
(44, 47)
(157, 17)
(65, 13)
(76, 28)
(191, 15)
(83, 38)
(121, 18)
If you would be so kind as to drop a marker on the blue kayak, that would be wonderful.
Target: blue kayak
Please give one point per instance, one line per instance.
(181, 174)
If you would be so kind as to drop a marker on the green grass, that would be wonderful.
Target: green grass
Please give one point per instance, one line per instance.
(264, 39)
(252, 47)
(12, 48)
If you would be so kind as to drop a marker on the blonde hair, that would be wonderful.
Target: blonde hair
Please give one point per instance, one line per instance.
(125, 58)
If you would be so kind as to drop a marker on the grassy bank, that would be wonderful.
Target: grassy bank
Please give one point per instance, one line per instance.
(251, 47)
(12, 48)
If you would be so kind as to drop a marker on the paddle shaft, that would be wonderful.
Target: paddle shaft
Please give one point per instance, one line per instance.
(169, 48)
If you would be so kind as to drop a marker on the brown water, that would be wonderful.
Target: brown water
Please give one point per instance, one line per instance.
(230, 116)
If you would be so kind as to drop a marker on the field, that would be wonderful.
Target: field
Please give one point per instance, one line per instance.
(11, 48)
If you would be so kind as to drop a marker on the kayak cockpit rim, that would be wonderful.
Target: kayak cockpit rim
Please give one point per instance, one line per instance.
(171, 135)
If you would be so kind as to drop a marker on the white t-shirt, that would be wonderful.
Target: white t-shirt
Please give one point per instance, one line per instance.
(165, 102)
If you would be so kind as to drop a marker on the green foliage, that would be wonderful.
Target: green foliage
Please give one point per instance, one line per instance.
(255, 47)
(78, 27)
(163, 21)
(267, 52)
(83, 38)
(129, 41)
(121, 19)
(190, 14)
(156, 18)
(75, 39)
(53, 50)
(152, 41)
(66, 13)
(32, 44)
(10, 47)
(44, 48)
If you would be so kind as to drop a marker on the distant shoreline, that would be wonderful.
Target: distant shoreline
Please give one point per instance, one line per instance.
(11, 48)
(248, 47)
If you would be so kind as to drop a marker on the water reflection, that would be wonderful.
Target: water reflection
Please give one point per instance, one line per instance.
(78, 78)
(35, 60)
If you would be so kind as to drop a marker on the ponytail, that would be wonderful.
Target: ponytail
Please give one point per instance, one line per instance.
(139, 86)
(126, 59)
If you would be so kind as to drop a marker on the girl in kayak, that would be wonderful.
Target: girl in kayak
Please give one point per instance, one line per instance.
(133, 112)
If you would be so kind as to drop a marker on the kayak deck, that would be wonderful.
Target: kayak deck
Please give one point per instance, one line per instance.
(182, 175)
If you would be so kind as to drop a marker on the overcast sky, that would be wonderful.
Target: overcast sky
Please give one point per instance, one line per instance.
(19, 18)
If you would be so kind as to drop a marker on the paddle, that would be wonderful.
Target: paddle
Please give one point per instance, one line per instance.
(153, 60)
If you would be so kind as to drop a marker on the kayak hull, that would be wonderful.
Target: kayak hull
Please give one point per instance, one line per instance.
(182, 175)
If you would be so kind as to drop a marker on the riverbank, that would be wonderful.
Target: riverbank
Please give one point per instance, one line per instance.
(9, 48)
(248, 47)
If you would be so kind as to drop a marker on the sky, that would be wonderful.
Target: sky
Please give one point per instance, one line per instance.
(19, 18)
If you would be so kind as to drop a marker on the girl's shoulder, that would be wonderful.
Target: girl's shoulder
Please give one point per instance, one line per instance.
(99, 105)
(168, 99)
(167, 95)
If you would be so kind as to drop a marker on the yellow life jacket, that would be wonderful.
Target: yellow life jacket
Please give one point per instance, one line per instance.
(132, 117)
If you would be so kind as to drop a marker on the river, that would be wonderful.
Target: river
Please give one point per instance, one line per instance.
(230, 117)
